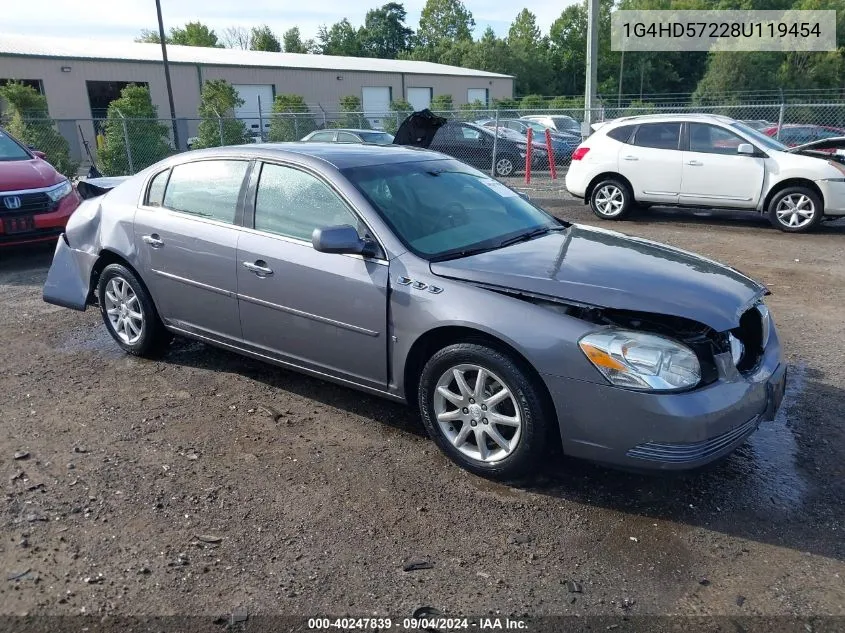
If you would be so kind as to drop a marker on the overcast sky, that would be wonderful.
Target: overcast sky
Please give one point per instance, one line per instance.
(121, 19)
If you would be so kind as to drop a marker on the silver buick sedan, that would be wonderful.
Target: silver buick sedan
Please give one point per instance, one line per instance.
(407, 274)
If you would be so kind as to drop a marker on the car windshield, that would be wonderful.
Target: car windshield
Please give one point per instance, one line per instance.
(442, 209)
(10, 149)
(382, 138)
(566, 123)
(759, 137)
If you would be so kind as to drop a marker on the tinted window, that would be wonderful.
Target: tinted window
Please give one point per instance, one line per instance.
(712, 140)
(760, 138)
(293, 203)
(322, 137)
(443, 207)
(155, 194)
(10, 150)
(566, 123)
(207, 188)
(658, 135)
(346, 137)
(622, 133)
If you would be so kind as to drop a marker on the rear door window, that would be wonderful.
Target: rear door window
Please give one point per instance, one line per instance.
(207, 188)
(658, 135)
(622, 133)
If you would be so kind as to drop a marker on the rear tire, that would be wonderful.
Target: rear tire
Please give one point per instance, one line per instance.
(611, 199)
(795, 210)
(505, 166)
(129, 313)
(497, 429)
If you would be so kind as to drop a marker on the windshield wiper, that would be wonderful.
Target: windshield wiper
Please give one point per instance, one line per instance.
(466, 252)
(524, 237)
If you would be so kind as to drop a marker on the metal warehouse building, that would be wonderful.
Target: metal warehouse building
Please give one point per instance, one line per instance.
(80, 78)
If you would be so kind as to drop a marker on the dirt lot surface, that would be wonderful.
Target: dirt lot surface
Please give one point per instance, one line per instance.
(138, 487)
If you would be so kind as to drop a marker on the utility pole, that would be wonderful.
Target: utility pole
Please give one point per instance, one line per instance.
(592, 63)
(167, 75)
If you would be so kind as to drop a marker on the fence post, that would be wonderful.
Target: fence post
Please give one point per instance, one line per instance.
(295, 127)
(495, 143)
(528, 152)
(126, 142)
(780, 117)
(260, 121)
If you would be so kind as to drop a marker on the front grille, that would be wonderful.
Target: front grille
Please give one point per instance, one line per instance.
(695, 451)
(31, 203)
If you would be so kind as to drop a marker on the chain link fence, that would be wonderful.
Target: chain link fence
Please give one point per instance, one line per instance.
(121, 146)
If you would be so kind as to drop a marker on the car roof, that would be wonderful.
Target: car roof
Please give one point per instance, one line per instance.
(340, 155)
(658, 118)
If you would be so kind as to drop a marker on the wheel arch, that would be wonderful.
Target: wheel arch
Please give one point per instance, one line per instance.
(429, 343)
(105, 258)
(785, 184)
(588, 192)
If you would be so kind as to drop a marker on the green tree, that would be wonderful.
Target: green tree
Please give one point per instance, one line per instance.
(217, 110)
(291, 119)
(490, 53)
(442, 104)
(262, 38)
(27, 119)
(148, 138)
(442, 20)
(400, 109)
(353, 116)
(533, 102)
(529, 53)
(384, 34)
(292, 42)
(192, 34)
(341, 39)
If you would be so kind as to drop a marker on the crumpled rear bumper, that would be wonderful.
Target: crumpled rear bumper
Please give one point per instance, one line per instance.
(69, 277)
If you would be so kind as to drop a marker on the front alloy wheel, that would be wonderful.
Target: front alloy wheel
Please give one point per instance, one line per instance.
(504, 166)
(485, 410)
(795, 210)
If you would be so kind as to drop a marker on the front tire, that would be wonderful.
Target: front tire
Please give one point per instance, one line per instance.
(611, 199)
(795, 210)
(505, 166)
(484, 411)
(129, 313)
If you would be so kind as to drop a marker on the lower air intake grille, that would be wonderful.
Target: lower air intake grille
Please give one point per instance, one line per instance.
(682, 453)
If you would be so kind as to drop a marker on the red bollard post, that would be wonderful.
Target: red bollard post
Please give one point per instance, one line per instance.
(528, 148)
(551, 154)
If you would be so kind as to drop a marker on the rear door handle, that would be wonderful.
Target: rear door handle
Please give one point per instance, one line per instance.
(153, 240)
(695, 163)
(259, 267)
(630, 158)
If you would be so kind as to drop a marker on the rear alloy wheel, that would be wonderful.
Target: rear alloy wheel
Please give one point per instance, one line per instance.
(483, 411)
(504, 166)
(129, 313)
(795, 210)
(611, 200)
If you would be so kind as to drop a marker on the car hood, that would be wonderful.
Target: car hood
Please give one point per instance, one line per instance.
(17, 175)
(606, 269)
(836, 142)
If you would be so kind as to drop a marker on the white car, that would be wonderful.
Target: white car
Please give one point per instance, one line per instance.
(707, 161)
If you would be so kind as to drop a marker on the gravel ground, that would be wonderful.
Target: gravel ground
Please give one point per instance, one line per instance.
(135, 487)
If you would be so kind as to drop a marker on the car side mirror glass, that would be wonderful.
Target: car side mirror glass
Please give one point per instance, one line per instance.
(38, 153)
(745, 148)
(342, 239)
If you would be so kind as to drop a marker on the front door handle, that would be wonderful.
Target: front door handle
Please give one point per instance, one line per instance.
(153, 240)
(695, 163)
(259, 267)
(630, 158)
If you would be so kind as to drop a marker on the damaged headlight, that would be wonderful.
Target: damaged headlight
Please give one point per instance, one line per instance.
(60, 191)
(637, 360)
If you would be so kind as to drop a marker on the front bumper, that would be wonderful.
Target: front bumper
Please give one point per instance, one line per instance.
(48, 225)
(673, 431)
(833, 193)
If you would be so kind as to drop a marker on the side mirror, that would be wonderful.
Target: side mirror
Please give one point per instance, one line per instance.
(38, 154)
(745, 148)
(342, 239)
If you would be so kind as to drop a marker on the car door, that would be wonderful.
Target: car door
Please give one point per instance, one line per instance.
(465, 143)
(652, 162)
(186, 235)
(714, 174)
(320, 311)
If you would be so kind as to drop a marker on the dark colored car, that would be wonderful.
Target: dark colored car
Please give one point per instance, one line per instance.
(563, 143)
(793, 135)
(35, 200)
(349, 136)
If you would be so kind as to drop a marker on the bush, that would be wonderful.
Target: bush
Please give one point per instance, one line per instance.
(27, 119)
(291, 119)
(353, 116)
(149, 139)
(219, 99)
(533, 102)
(401, 110)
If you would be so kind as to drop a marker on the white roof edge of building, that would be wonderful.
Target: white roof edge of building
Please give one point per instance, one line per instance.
(113, 50)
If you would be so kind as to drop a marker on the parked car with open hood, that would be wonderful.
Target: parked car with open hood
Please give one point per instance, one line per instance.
(410, 275)
(709, 161)
(35, 200)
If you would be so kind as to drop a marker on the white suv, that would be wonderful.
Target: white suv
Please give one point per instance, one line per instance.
(707, 161)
